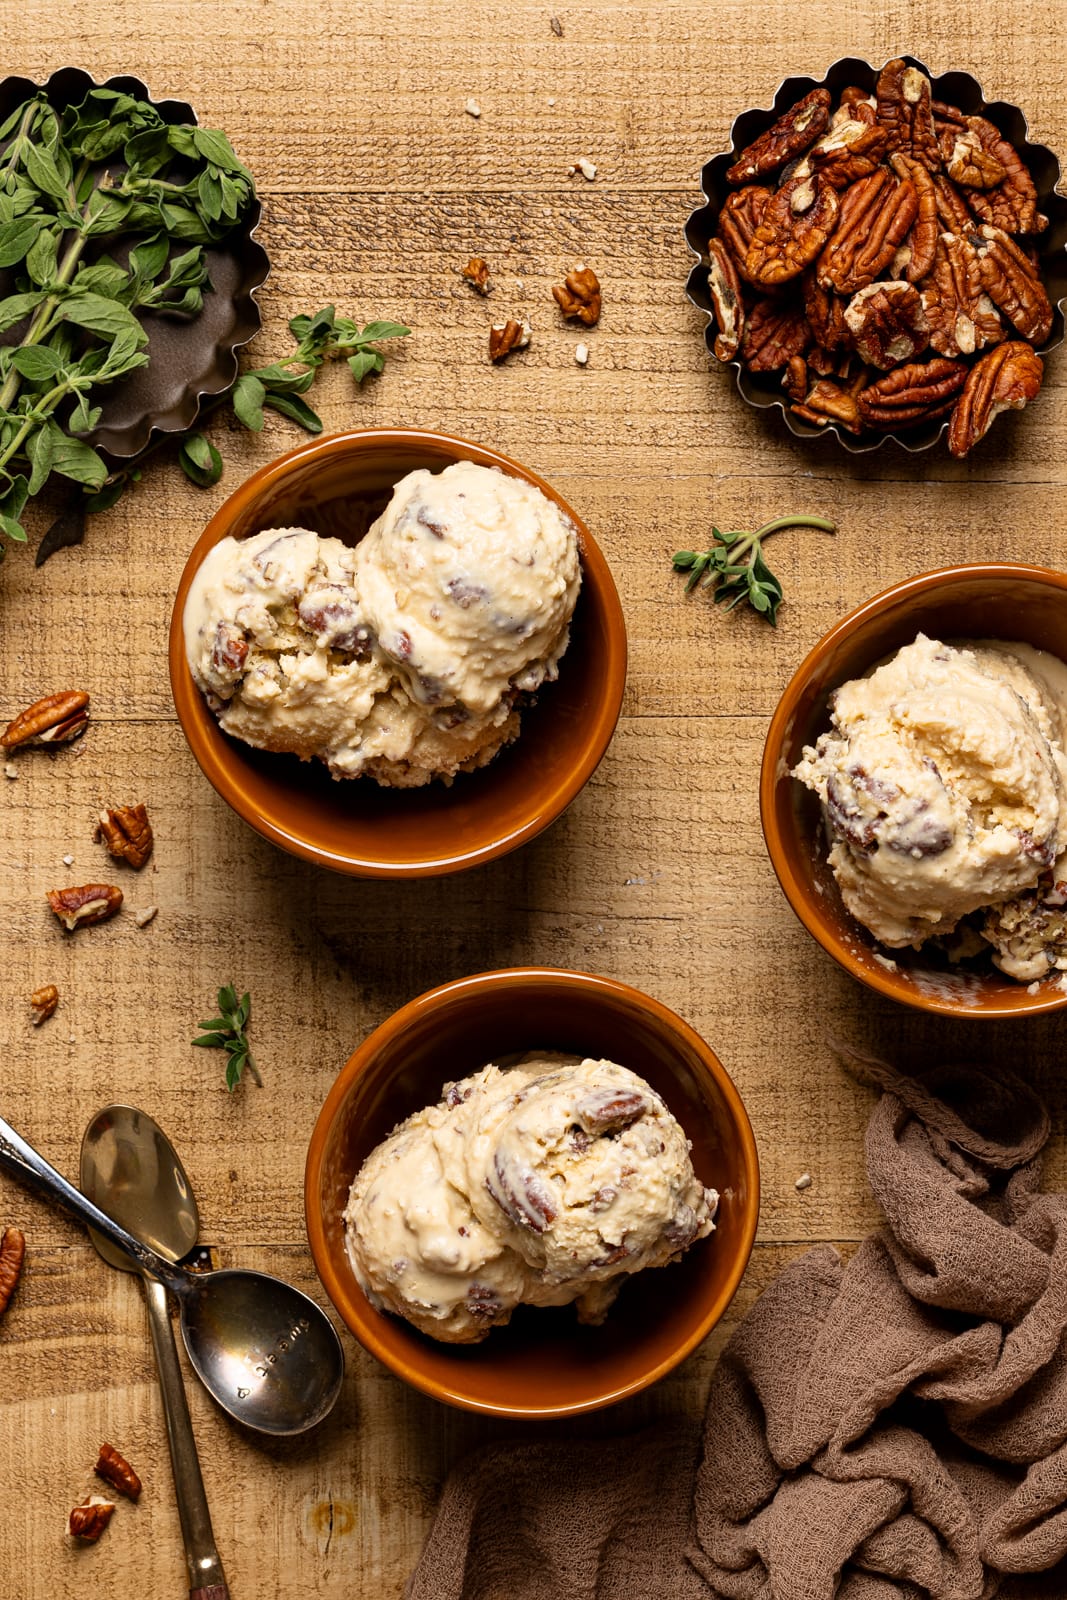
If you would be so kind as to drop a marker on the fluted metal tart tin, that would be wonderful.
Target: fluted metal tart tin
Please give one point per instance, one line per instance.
(763, 390)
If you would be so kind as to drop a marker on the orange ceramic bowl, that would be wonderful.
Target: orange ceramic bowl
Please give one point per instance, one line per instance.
(544, 1363)
(337, 486)
(999, 600)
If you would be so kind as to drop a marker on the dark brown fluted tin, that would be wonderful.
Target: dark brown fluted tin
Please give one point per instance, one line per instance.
(763, 389)
(190, 362)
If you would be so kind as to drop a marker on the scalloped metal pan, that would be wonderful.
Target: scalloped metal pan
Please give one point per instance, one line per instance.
(763, 390)
(190, 363)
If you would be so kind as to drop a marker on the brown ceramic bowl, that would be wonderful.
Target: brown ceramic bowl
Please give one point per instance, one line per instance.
(337, 486)
(998, 600)
(543, 1364)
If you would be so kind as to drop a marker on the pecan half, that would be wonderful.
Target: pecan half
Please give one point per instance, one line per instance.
(579, 295)
(724, 287)
(12, 1255)
(1012, 203)
(740, 217)
(966, 161)
(922, 240)
(961, 315)
(127, 833)
(504, 337)
(888, 323)
(825, 313)
(795, 378)
(476, 273)
(1007, 378)
(848, 151)
(905, 112)
(81, 907)
(56, 719)
(827, 401)
(116, 1470)
(795, 225)
(789, 136)
(43, 1003)
(919, 392)
(858, 104)
(952, 209)
(773, 335)
(88, 1520)
(1013, 283)
(875, 215)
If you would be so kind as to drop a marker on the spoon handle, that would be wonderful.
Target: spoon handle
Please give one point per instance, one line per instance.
(23, 1162)
(206, 1578)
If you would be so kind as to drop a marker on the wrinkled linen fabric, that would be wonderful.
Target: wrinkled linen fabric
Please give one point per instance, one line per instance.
(893, 1428)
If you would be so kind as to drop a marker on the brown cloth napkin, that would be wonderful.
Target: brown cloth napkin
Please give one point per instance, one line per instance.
(893, 1427)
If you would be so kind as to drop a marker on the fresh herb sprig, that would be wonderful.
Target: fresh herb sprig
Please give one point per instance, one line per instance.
(227, 1032)
(735, 569)
(280, 385)
(71, 183)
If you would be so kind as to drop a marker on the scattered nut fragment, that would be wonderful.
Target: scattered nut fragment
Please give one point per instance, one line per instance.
(583, 165)
(476, 273)
(804, 1181)
(579, 295)
(10, 770)
(88, 1520)
(127, 833)
(472, 108)
(81, 907)
(581, 354)
(145, 915)
(55, 719)
(113, 1467)
(12, 1254)
(504, 337)
(557, 27)
(43, 1002)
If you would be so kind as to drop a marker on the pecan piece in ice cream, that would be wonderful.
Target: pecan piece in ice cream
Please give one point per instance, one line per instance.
(56, 719)
(921, 242)
(795, 225)
(1007, 378)
(918, 392)
(961, 315)
(1013, 283)
(874, 218)
(905, 112)
(773, 335)
(740, 217)
(84, 906)
(888, 323)
(724, 287)
(1012, 203)
(789, 136)
(127, 833)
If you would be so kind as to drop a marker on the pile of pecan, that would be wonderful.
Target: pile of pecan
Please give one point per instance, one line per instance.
(881, 257)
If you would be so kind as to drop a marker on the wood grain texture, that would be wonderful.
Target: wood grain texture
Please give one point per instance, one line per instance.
(377, 187)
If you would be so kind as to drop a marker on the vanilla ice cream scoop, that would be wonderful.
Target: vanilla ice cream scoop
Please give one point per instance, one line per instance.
(943, 783)
(469, 579)
(545, 1184)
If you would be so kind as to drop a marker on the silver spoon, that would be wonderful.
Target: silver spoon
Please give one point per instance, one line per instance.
(266, 1352)
(130, 1170)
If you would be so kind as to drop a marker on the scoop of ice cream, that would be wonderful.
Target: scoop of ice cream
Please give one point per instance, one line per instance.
(545, 1184)
(469, 579)
(943, 786)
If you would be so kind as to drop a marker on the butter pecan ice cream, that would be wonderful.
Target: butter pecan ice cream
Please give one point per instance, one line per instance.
(944, 787)
(405, 657)
(545, 1184)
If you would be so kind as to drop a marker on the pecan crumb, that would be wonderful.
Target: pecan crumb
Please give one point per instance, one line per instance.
(579, 295)
(145, 915)
(127, 833)
(82, 906)
(43, 1002)
(88, 1520)
(557, 27)
(113, 1467)
(581, 354)
(476, 273)
(504, 337)
(583, 165)
(12, 1254)
(473, 109)
(804, 1181)
(10, 770)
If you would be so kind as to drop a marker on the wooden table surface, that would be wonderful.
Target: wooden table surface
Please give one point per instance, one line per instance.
(377, 186)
